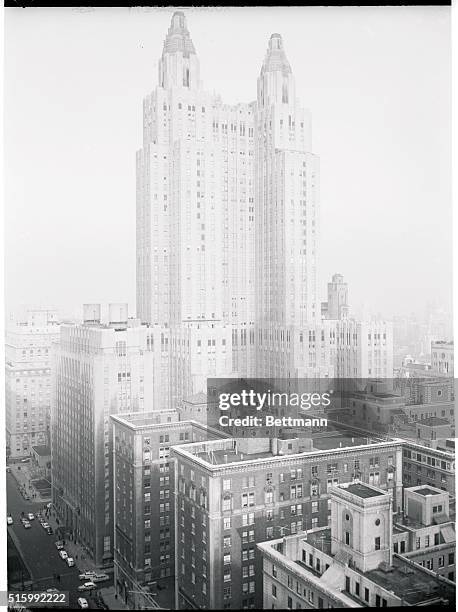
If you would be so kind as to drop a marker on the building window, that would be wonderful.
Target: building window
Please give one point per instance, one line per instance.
(377, 543)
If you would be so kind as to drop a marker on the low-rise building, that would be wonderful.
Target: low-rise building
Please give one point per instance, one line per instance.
(425, 531)
(349, 564)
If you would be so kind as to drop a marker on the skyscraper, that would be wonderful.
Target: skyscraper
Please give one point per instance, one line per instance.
(227, 223)
(100, 369)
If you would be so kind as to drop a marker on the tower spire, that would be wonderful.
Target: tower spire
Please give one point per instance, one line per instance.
(178, 66)
(275, 57)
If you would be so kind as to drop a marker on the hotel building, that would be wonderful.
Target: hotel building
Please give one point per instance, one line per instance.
(29, 339)
(228, 233)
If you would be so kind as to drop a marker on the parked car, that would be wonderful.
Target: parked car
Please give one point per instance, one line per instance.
(24, 520)
(25, 460)
(70, 562)
(100, 577)
(31, 516)
(27, 525)
(87, 575)
(8, 469)
(50, 531)
(87, 586)
(52, 590)
(63, 554)
(9, 520)
(27, 498)
(45, 525)
(82, 602)
(59, 545)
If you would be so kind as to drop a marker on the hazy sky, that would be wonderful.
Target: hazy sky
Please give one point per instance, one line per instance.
(376, 80)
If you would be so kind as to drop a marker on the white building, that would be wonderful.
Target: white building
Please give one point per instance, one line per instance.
(442, 358)
(228, 233)
(99, 370)
(29, 338)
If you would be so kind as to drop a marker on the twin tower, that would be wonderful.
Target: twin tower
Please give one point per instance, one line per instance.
(227, 222)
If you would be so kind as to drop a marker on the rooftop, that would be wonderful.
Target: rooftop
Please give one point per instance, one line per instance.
(427, 491)
(222, 456)
(409, 582)
(433, 421)
(43, 450)
(362, 490)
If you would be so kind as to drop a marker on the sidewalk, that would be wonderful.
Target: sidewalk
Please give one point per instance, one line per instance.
(23, 474)
(113, 603)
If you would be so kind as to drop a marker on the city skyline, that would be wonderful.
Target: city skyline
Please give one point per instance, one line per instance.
(107, 253)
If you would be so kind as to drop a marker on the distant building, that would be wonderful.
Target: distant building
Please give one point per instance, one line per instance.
(29, 338)
(100, 369)
(433, 429)
(349, 564)
(234, 493)
(145, 516)
(425, 531)
(442, 357)
(428, 466)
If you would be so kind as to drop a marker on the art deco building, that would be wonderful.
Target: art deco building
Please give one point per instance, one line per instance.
(29, 339)
(232, 494)
(100, 369)
(228, 233)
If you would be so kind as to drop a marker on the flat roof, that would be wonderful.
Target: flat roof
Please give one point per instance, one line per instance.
(408, 582)
(431, 421)
(427, 491)
(361, 490)
(43, 450)
(223, 456)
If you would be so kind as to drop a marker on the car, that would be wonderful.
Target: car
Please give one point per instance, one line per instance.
(24, 520)
(87, 586)
(70, 562)
(87, 575)
(27, 498)
(59, 545)
(100, 577)
(45, 525)
(8, 469)
(63, 554)
(82, 602)
(27, 525)
(9, 520)
(52, 590)
(31, 516)
(49, 531)
(26, 460)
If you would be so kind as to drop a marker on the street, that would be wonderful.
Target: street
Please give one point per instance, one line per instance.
(38, 550)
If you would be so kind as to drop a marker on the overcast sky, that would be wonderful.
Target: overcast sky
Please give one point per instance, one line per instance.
(376, 80)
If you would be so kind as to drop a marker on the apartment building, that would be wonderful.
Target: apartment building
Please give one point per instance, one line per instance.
(349, 564)
(234, 493)
(29, 338)
(144, 501)
(432, 467)
(99, 369)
